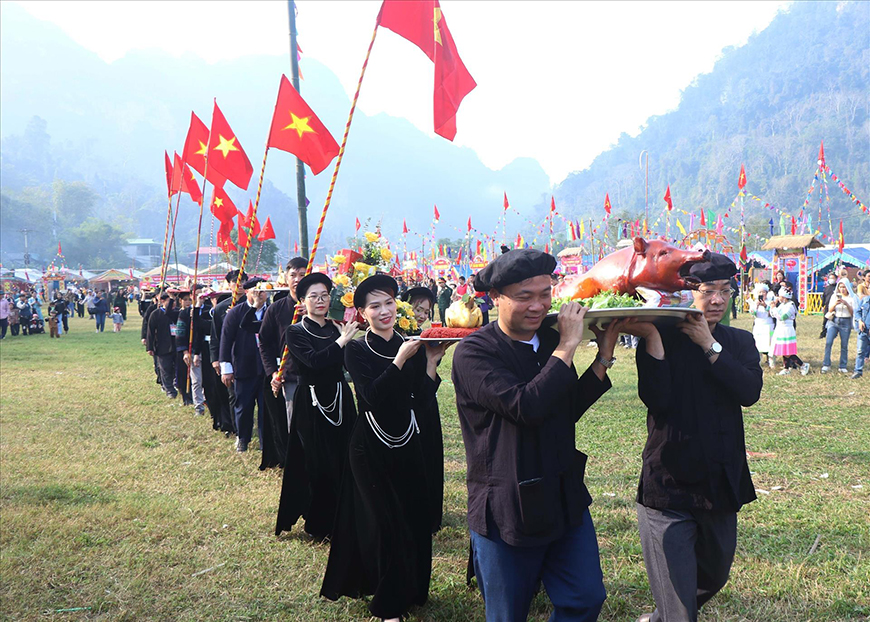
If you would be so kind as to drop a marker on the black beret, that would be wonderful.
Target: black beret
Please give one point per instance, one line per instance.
(717, 268)
(252, 283)
(307, 281)
(512, 267)
(419, 292)
(379, 282)
(233, 275)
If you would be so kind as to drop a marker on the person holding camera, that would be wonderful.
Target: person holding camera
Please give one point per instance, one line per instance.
(841, 308)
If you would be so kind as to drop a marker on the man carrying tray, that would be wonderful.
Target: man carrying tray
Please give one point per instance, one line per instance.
(694, 380)
(518, 398)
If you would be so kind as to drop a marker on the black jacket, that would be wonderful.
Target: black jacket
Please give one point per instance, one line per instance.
(695, 453)
(217, 321)
(239, 346)
(159, 337)
(146, 314)
(517, 410)
(278, 317)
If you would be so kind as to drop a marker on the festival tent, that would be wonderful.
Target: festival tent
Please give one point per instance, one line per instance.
(172, 275)
(112, 278)
(28, 275)
(857, 257)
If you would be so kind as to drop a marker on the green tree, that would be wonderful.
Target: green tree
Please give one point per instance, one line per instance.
(96, 244)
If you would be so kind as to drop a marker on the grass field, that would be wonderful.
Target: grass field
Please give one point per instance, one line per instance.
(114, 501)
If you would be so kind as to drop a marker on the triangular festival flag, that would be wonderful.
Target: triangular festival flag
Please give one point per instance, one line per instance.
(667, 198)
(552, 204)
(225, 153)
(437, 215)
(822, 154)
(506, 204)
(295, 128)
(414, 21)
(357, 225)
(469, 223)
(267, 232)
(404, 227)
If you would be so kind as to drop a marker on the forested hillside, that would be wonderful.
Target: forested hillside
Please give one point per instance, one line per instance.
(768, 104)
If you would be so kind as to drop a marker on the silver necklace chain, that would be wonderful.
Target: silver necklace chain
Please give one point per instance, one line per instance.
(393, 442)
(366, 339)
(312, 334)
(336, 403)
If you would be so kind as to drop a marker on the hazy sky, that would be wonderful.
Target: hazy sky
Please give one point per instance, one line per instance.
(557, 81)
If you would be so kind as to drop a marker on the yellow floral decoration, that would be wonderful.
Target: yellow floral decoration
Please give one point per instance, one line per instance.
(404, 324)
(372, 237)
(342, 280)
(386, 254)
(347, 300)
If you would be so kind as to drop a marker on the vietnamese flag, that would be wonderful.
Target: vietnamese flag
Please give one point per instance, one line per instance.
(506, 204)
(296, 129)
(741, 181)
(225, 153)
(169, 170)
(195, 148)
(437, 215)
(242, 235)
(267, 232)
(357, 225)
(743, 256)
(667, 198)
(224, 241)
(552, 204)
(469, 223)
(255, 227)
(222, 206)
(414, 21)
(184, 180)
(607, 206)
(841, 242)
(793, 226)
(703, 220)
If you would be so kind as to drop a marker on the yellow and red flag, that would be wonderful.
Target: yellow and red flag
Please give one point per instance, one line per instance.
(667, 198)
(295, 128)
(222, 207)
(267, 232)
(195, 149)
(225, 153)
(741, 181)
(186, 182)
(841, 242)
(414, 21)
(607, 206)
(255, 228)
(224, 241)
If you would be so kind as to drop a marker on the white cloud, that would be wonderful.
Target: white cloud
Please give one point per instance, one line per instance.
(557, 81)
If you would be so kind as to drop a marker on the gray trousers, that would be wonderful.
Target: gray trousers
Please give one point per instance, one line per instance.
(688, 555)
(196, 387)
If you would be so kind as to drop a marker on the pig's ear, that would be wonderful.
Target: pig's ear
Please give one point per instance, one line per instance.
(640, 245)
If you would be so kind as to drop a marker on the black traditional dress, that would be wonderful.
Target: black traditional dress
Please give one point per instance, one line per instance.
(323, 419)
(382, 539)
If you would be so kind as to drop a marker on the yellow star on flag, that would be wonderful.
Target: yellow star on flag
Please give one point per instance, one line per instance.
(437, 30)
(225, 146)
(202, 148)
(219, 202)
(300, 125)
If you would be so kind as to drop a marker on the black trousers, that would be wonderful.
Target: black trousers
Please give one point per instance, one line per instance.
(688, 556)
(166, 365)
(181, 378)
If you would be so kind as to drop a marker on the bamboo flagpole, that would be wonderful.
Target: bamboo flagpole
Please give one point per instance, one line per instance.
(166, 235)
(283, 364)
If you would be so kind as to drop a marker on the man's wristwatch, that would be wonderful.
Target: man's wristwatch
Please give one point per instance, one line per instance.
(604, 362)
(715, 349)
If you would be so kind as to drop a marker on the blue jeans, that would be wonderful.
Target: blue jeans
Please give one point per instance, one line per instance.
(863, 351)
(841, 326)
(569, 568)
(101, 321)
(249, 392)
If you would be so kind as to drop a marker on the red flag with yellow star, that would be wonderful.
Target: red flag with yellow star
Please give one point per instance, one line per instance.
(607, 206)
(267, 232)
(186, 181)
(667, 198)
(841, 241)
(741, 180)
(195, 148)
(295, 128)
(222, 207)
(246, 221)
(414, 21)
(225, 153)
(224, 241)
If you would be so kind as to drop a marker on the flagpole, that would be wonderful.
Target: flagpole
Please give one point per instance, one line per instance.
(300, 166)
(165, 235)
(338, 161)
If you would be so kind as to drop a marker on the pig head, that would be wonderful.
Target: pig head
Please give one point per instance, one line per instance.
(658, 265)
(654, 264)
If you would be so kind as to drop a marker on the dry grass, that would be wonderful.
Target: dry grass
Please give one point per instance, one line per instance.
(113, 499)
